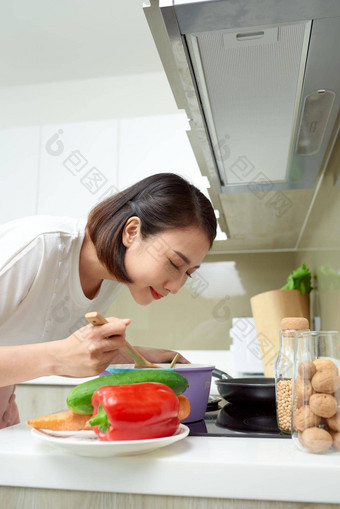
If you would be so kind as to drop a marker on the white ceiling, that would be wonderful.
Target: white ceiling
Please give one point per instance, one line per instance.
(46, 41)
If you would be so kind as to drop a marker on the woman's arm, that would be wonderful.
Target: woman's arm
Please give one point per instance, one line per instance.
(86, 352)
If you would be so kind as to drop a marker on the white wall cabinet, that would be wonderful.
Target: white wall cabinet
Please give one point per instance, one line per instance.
(78, 167)
(67, 169)
(156, 144)
(19, 171)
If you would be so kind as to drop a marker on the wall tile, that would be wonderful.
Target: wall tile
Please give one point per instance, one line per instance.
(19, 149)
(156, 144)
(78, 167)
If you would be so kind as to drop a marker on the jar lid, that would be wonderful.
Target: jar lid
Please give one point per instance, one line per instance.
(294, 323)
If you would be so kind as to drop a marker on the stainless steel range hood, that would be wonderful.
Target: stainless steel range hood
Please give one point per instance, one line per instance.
(260, 83)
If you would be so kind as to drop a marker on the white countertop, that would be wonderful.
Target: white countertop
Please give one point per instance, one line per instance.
(221, 467)
(240, 468)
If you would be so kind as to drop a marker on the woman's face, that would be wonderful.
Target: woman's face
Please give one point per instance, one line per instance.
(161, 264)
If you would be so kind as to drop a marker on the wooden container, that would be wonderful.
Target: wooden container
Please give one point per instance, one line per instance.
(268, 310)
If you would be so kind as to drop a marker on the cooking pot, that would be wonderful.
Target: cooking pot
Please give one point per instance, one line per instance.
(199, 379)
(249, 391)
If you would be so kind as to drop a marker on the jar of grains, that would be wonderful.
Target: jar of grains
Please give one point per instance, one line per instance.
(284, 370)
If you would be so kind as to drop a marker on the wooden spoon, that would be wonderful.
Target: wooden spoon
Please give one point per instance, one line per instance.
(174, 360)
(140, 361)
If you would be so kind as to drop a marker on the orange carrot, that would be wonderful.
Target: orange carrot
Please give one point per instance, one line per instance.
(61, 421)
(184, 407)
(70, 421)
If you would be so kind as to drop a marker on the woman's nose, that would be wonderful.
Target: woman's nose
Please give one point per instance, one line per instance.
(173, 285)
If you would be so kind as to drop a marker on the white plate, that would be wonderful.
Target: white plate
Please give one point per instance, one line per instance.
(86, 443)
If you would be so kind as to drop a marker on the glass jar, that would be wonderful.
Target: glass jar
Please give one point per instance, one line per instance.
(284, 371)
(316, 391)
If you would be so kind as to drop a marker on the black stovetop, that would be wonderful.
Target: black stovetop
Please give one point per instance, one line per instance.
(226, 420)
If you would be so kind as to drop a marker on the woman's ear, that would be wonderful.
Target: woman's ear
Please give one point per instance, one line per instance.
(131, 230)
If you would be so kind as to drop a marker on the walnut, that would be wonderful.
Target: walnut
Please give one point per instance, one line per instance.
(323, 405)
(326, 381)
(306, 369)
(334, 422)
(317, 440)
(300, 437)
(337, 395)
(336, 439)
(302, 391)
(326, 365)
(304, 418)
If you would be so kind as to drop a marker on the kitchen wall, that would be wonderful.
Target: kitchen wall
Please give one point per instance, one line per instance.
(57, 141)
(199, 317)
(320, 246)
(130, 95)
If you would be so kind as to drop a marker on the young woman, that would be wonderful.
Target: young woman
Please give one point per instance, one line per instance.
(150, 237)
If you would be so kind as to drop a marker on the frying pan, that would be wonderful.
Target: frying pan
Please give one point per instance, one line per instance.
(245, 391)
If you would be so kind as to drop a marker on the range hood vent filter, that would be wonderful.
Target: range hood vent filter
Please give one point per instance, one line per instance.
(250, 92)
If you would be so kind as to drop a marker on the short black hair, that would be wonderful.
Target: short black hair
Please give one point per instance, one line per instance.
(162, 202)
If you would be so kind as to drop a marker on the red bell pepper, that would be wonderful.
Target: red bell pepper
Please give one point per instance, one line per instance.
(134, 411)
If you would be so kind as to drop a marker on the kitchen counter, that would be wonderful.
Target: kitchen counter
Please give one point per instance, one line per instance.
(219, 472)
(203, 467)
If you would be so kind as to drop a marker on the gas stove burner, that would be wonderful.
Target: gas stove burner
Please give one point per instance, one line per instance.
(237, 418)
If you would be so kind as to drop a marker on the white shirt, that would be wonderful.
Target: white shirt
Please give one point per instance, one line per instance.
(41, 298)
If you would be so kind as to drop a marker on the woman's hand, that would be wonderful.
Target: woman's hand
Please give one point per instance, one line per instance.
(153, 355)
(161, 355)
(86, 352)
(89, 350)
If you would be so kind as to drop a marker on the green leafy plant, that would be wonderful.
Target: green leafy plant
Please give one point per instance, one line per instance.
(328, 278)
(299, 279)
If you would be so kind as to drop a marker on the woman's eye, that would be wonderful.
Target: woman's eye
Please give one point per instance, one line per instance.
(174, 265)
(177, 268)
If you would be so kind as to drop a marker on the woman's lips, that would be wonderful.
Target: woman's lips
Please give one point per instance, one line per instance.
(155, 294)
